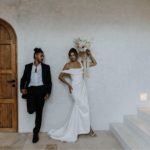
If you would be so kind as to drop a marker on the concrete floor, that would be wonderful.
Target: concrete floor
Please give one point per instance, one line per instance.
(17, 141)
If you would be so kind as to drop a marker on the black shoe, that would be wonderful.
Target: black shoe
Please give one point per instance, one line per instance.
(35, 138)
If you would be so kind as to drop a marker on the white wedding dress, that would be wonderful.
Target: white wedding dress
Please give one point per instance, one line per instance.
(79, 121)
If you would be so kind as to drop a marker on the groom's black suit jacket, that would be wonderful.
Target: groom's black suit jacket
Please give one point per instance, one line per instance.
(46, 77)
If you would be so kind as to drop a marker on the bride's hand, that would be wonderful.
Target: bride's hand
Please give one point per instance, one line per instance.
(70, 88)
(88, 52)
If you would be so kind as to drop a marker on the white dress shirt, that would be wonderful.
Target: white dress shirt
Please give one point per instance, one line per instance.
(36, 76)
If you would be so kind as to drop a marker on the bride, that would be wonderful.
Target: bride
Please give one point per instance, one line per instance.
(79, 121)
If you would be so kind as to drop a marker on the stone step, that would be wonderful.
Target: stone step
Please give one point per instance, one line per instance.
(144, 114)
(138, 125)
(128, 138)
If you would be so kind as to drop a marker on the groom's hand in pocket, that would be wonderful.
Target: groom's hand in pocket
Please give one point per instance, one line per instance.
(46, 97)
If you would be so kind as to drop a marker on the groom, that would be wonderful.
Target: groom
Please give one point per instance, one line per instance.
(36, 87)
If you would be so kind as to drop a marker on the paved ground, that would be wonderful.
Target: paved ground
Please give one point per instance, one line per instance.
(16, 141)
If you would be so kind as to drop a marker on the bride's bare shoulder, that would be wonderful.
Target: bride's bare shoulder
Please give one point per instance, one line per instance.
(66, 66)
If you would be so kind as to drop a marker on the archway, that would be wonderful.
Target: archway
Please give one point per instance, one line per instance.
(8, 78)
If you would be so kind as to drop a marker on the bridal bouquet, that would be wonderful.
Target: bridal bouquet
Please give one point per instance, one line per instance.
(83, 45)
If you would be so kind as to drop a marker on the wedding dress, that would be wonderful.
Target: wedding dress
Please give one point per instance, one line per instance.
(79, 121)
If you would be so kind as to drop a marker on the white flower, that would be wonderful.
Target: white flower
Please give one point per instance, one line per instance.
(82, 44)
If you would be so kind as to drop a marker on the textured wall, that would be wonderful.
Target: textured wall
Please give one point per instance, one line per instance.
(120, 31)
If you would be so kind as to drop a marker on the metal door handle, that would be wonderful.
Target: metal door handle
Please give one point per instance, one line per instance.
(11, 81)
(13, 85)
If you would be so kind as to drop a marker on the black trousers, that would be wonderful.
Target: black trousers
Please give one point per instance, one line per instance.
(35, 103)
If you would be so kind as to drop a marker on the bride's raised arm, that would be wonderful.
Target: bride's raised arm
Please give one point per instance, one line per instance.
(93, 60)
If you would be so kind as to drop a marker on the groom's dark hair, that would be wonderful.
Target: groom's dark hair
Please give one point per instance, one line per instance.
(73, 50)
(37, 50)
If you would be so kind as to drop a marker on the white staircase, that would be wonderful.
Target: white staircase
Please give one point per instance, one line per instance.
(134, 132)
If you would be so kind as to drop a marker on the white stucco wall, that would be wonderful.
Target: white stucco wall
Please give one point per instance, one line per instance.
(120, 30)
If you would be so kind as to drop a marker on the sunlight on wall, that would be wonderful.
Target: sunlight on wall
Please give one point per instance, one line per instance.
(144, 97)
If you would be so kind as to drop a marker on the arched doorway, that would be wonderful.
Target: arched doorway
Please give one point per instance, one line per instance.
(8, 78)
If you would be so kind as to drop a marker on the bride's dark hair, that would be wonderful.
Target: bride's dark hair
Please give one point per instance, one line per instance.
(73, 50)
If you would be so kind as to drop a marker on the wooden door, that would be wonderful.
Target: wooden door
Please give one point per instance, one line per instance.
(8, 79)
